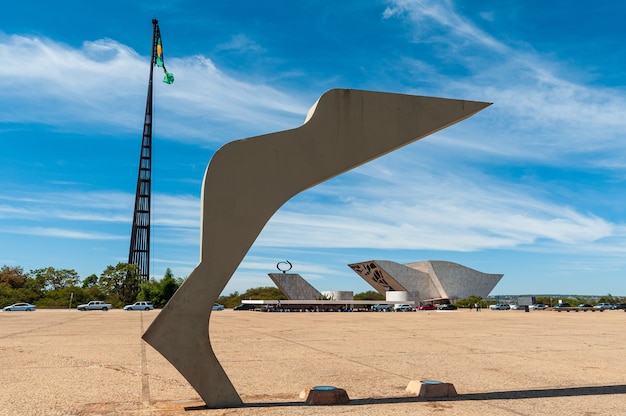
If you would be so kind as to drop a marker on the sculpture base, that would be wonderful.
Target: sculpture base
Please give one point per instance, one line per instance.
(326, 395)
(431, 388)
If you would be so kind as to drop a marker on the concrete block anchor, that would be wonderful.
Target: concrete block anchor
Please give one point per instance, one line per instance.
(325, 395)
(431, 388)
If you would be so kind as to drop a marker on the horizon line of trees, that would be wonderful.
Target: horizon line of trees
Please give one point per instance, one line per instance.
(120, 285)
(63, 288)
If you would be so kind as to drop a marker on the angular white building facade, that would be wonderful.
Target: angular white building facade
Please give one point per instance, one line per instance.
(426, 281)
(294, 287)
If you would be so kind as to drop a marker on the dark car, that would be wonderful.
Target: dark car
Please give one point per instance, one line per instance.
(245, 307)
(447, 307)
(620, 306)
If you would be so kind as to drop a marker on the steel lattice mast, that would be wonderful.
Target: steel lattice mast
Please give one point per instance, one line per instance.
(139, 253)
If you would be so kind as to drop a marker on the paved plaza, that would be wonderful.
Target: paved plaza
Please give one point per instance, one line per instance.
(65, 362)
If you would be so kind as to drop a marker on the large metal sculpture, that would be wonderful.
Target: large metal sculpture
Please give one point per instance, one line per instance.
(248, 180)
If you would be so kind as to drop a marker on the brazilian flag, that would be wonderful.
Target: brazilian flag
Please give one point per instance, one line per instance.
(168, 77)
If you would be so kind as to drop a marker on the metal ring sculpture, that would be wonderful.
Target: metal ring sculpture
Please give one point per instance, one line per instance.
(284, 262)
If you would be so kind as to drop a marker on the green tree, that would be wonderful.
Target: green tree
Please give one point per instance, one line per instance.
(546, 300)
(50, 278)
(120, 284)
(369, 295)
(608, 299)
(470, 301)
(169, 286)
(13, 277)
(149, 292)
(9, 295)
(231, 300)
(160, 292)
(265, 292)
(168, 274)
(90, 281)
(68, 296)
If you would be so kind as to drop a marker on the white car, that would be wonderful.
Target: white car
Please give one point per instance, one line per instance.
(500, 307)
(19, 307)
(603, 306)
(538, 306)
(139, 306)
(403, 308)
(95, 305)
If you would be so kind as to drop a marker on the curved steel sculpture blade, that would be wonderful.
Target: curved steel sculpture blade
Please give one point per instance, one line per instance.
(248, 180)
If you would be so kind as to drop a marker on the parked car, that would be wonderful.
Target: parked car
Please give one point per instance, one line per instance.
(382, 307)
(403, 308)
(500, 307)
(218, 307)
(603, 306)
(19, 307)
(139, 306)
(245, 307)
(620, 306)
(564, 305)
(584, 305)
(428, 307)
(447, 307)
(95, 305)
(538, 306)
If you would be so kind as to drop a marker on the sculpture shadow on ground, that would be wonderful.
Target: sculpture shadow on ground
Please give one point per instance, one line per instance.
(495, 395)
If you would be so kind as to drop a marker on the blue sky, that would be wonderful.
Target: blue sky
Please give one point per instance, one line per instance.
(532, 187)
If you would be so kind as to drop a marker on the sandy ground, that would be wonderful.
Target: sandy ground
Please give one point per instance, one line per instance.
(67, 362)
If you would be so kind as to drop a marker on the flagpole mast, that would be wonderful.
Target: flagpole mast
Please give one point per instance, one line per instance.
(139, 253)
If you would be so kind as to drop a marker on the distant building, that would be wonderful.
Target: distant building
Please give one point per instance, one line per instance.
(425, 281)
(294, 287)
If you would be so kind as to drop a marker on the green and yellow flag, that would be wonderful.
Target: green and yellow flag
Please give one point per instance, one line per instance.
(168, 77)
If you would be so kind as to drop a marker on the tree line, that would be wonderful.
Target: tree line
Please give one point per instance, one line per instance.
(63, 288)
(118, 285)
(121, 285)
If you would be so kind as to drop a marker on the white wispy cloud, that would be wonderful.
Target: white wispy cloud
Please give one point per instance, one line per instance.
(241, 43)
(104, 83)
(399, 206)
(178, 213)
(181, 211)
(443, 14)
(541, 109)
(63, 233)
(106, 206)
